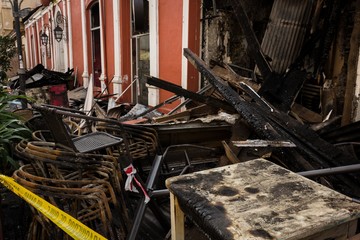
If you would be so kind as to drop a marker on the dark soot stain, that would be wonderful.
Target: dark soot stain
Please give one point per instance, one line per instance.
(227, 191)
(261, 233)
(251, 190)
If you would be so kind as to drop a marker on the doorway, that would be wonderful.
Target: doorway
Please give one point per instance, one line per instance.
(95, 43)
(140, 50)
(141, 67)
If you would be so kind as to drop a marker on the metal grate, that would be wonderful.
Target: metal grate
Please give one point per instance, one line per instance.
(95, 141)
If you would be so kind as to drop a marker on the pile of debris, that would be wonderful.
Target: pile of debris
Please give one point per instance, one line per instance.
(46, 86)
(268, 113)
(278, 124)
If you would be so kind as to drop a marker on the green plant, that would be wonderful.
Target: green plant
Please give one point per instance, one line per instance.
(12, 130)
(7, 52)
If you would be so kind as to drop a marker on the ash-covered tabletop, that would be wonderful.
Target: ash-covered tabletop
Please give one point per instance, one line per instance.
(261, 200)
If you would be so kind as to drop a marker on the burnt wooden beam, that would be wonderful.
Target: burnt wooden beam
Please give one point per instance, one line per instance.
(167, 101)
(198, 111)
(188, 94)
(275, 125)
(232, 77)
(281, 91)
(240, 104)
(188, 100)
(262, 143)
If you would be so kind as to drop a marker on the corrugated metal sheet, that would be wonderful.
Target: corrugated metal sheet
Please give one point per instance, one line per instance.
(284, 36)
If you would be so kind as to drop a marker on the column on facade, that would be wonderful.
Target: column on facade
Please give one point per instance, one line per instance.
(153, 93)
(27, 47)
(66, 40)
(38, 43)
(69, 21)
(33, 44)
(103, 76)
(85, 74)
(51, 37)
(117, 88)
(185, 43)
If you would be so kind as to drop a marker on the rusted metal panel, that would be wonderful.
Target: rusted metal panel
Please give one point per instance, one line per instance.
(285, 33)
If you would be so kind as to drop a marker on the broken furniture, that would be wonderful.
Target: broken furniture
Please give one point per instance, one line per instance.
(153, 190)
(192, 132)
(87, 186)
(311, 151)
(133, 182)
(46, 86)
(94, 196)
(259, 200)
(87, 143)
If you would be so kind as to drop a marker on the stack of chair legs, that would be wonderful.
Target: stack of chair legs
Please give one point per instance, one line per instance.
(87, 186)
(142, 142)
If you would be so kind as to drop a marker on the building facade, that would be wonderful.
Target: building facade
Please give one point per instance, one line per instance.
(115, 44)
(6, 16)
(7, 26)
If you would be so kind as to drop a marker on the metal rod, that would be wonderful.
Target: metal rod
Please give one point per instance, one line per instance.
(21, 70)
(331, 171)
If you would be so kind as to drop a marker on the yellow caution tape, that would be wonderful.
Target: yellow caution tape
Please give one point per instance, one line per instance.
(67, 223)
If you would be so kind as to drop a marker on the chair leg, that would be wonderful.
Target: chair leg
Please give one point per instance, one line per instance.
(140, 211)
(139, 215)
(163, 220)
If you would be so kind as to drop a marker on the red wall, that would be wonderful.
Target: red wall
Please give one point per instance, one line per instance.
(125, 47)
(194, 42)
(77, 40)
(170, 45)
(109, 43)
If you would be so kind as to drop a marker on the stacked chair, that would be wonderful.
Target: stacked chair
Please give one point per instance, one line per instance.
(84, 179)
(82, 171)
(87, 186)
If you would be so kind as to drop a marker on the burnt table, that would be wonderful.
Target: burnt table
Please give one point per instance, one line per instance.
(260, 200)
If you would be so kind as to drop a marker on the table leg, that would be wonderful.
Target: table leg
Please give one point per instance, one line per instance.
(177, 219)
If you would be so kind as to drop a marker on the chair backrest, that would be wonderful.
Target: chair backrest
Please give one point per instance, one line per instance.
(57, 128)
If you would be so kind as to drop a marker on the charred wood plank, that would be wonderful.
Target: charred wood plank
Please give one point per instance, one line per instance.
(171, 100)
(186, 115)
(185, 93)
(229, 153)
(256, 97)
(347, 133)
(306, 114)
(188, 100)
(263, 143)
(326, 126)
(167, 101)
(234, 78)
(279, 126)
(281, 91)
